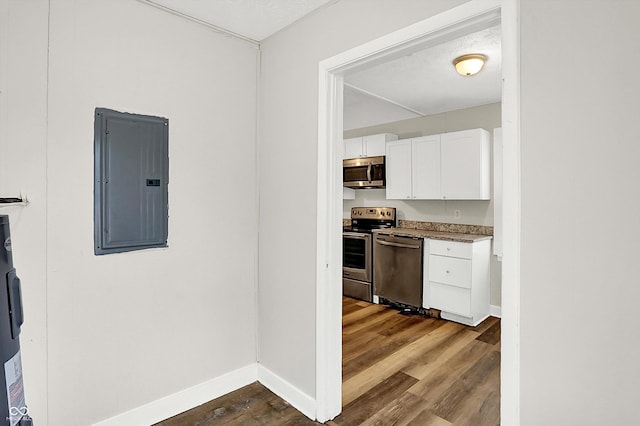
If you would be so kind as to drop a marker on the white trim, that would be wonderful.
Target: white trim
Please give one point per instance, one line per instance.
(285, 390)
(497, 193)
(209, 25)
(453, 22)
(495, 311)
(387, 100)
(511, 213)
(329, 245)
(462, 319)
(186, 399)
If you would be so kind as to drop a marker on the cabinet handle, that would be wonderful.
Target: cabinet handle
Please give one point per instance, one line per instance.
(448, 248)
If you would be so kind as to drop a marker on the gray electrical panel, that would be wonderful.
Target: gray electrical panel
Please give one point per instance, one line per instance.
(131, 180)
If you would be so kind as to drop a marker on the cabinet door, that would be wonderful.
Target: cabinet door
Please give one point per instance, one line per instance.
(450, 270)
(465, 165)
(348, 194)
(375, 145)
(425, 167)
(353, 148)
(449, 298)
(398, 165)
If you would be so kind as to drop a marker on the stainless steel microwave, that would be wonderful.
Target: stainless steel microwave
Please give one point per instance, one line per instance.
(367, 172)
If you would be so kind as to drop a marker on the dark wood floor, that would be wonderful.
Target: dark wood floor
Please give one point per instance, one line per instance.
(250, 405)
(397, 369)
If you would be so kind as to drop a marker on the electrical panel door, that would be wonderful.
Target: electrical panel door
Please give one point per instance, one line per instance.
(131, 181)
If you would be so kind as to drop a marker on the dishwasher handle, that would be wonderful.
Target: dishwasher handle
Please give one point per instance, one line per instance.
(387, 243)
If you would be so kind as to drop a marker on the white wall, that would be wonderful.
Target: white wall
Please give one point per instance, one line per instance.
(288, 147)
(23, 133)
(580, 199)
(108, 353)
(115, 332)
(580, 238)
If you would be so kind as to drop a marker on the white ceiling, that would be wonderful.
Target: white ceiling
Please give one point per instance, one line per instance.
(362, 110)
(425, 82)
(253, 19)
(422, 83)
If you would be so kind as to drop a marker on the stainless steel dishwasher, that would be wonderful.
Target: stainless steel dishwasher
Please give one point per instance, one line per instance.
(397, 269)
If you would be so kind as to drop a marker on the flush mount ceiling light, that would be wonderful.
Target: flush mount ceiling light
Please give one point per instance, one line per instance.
(469, 64)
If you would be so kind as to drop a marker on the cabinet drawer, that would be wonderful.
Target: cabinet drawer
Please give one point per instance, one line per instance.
(450, 270)
(451, 248)
(450, 299)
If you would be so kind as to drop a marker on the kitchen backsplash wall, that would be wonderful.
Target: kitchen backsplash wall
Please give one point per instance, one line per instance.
(471, 212)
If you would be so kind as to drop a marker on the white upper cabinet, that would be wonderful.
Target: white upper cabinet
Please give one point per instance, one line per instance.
(367, 146)
(425, 167)
(348, 194)
(465, 165)
(450, 166)
(398, 170)
(413, 168)
(353, 148)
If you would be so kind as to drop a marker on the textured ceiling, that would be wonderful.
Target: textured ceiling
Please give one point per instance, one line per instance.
(253, 19)
(425, 82)
(418, 84)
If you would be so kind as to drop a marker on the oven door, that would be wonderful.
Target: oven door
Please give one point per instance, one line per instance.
(356, 256)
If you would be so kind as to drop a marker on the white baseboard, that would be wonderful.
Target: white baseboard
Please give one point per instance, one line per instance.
(470, 321)
(285, 390)
(186, 399)
(495, 311)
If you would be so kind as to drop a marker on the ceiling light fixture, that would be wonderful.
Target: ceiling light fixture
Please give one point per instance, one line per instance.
(469, 64)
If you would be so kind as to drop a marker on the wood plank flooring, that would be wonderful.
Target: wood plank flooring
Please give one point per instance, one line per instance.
(410, 370)
(251, 405)
(397, 370)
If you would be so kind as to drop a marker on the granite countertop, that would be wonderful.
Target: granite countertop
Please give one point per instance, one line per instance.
(434, 235)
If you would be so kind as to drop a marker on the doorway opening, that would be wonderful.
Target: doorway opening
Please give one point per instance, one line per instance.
(465, 19)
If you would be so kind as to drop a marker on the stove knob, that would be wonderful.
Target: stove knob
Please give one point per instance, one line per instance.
(388, 213)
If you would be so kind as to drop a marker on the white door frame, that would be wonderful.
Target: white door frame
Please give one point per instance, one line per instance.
(459, 20)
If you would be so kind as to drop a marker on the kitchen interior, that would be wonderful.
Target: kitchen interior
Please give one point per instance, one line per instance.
(422, 201)
(422, 180)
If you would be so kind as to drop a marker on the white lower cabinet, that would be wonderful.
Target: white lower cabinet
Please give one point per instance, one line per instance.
(449, 298)
(457, 280)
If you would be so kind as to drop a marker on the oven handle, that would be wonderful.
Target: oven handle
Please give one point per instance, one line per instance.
(369, 173)
(361, 236)
(386, 243)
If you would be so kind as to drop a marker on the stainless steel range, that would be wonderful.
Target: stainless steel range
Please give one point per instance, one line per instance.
(357, 253)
